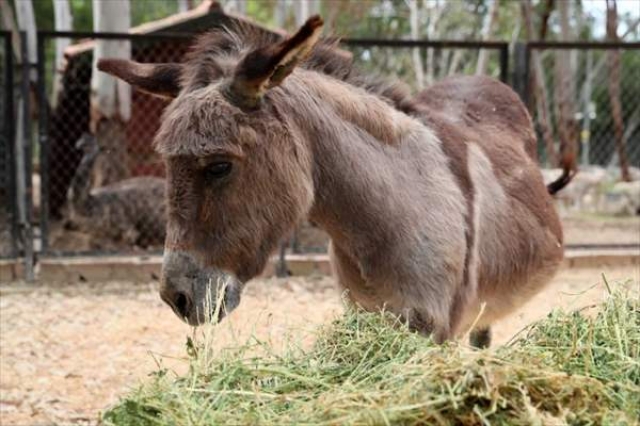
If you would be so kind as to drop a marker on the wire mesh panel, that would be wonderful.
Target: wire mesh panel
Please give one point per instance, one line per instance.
(102, 183)
(600, 91)
(585, 103)
(7, 169)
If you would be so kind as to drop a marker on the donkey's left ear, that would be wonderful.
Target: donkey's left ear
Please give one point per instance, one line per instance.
(267, 67)
(161, 80)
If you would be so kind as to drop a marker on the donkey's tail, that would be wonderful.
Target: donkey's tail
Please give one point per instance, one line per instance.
(561, 182)
(569, 170)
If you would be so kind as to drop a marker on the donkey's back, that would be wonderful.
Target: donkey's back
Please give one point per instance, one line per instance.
(483, 105)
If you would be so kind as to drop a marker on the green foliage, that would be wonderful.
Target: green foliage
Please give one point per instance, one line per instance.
(368, 368)
(145, 11)
(82, 11)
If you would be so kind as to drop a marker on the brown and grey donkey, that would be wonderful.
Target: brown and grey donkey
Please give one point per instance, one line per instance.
(435, 205)
(130, 211)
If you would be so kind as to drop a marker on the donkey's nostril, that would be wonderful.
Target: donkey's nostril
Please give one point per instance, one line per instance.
(182, 304)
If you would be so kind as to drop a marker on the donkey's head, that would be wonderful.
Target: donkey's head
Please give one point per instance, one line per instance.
(238, 176)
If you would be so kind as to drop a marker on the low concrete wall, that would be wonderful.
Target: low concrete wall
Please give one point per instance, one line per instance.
(10, 270)
(107, 268)
(147, 268)
(581, 258)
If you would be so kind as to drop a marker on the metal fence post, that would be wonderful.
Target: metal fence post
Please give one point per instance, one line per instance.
(9, 134)
(521, 71)
(43, 143)
(504, 64)
(23, 160)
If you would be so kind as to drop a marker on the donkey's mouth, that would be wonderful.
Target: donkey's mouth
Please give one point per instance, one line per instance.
(214, 300)
(198, 295)
(213, 308)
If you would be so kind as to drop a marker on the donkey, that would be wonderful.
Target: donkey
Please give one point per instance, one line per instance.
(435, 205)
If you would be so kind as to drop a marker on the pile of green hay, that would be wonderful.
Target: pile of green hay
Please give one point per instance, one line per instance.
(570, 368)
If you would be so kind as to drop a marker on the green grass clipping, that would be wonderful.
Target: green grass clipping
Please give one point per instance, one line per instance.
(580, 368)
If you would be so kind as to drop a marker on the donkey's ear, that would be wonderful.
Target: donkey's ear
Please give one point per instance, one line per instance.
(157, 79)
(268, 66)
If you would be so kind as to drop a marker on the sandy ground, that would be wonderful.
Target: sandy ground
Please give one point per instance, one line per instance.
(68, 352)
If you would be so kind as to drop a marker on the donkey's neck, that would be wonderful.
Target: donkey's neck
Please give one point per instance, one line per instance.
(376, 170)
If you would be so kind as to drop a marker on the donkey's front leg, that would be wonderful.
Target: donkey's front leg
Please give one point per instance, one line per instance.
(480, 337)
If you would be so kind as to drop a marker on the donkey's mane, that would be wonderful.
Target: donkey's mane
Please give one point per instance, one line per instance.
(215, 54)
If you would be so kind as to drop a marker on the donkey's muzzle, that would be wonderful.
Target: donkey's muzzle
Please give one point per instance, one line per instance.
(197, 295)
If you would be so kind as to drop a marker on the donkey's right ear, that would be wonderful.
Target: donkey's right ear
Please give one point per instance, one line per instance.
(157, 79)
(267, 67)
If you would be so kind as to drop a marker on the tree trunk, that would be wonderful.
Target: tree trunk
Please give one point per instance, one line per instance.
(458, 55)
(567, 126)
(27, 22)
(330, 15)
(110, 98)
(9, 24)
(544, 22)
(434, 17)
(487, 32)
(614, 90)
(184, 5)
(445, 59)
(587, 90)
(239, 7)
(304, 9)
(539, 88)
(541, 96)
(415, 52)
(280, 13)
(63, 22)
(604, 61)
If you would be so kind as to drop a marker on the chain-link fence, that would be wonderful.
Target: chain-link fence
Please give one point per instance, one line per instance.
(101, 182)
(102, 185)
(8, 246)
(585, 103)
(599, 88)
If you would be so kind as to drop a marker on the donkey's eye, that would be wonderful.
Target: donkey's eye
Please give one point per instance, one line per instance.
(217, 170)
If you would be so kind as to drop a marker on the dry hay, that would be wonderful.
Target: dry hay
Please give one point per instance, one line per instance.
(570, 368)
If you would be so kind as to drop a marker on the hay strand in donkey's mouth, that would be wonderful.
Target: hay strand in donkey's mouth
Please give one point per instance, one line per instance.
(365, 368)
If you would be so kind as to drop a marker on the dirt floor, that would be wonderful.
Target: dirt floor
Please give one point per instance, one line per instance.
(68, 352)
